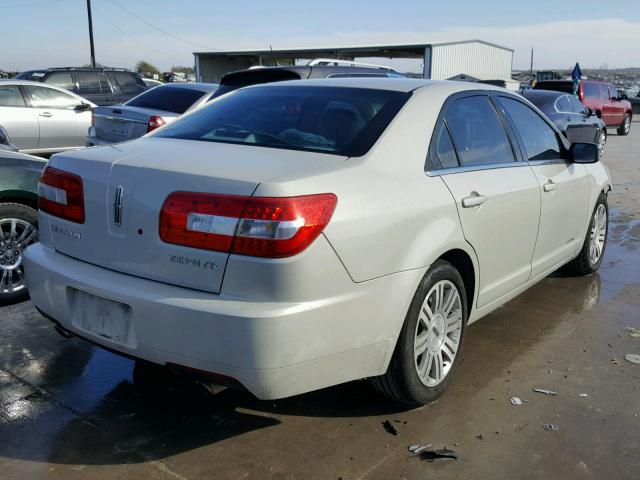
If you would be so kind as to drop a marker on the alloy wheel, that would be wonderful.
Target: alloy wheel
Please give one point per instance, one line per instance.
(598, 234)
(15, 236)
(627, 124)
(438, 333)
(602, 142)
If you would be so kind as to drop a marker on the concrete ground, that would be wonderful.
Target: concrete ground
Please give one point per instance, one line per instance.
(72, 411)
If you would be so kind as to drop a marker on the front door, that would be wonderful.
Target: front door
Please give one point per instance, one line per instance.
(62, 123)
(497, 197)
(563, 187)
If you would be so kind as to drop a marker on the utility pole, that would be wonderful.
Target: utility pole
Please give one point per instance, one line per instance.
(531, 69)
(93, 52)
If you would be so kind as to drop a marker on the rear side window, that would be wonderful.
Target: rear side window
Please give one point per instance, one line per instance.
(591, 90)
(128, 83)
(336, 120)
(10, 96)
(60, 79)
(477, 132)
(577, 106)
(563, 105)
(170, 99)
(90, 83)
(445, 152)
(540, 140)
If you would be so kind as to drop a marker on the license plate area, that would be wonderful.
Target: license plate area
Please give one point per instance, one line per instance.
(102, 317)
(121, 128)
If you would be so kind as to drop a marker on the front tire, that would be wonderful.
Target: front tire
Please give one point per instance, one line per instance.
(18, 229)
(625, 127)
(427, 350)
(590, 257)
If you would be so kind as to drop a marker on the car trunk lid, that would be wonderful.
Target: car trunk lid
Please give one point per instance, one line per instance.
(121, 123)
(139, 176)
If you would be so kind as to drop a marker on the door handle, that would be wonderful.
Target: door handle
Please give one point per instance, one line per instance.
(473, 200)
(46, 114)
(549, 186)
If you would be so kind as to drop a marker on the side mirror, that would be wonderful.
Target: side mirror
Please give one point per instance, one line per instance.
(591, 112)
(624, 96)
(584, 153)
(5, 143)
(83, 107)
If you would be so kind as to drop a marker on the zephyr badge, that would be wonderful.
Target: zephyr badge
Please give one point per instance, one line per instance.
(117, 206)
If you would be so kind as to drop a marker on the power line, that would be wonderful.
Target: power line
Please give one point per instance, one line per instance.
(164, 32)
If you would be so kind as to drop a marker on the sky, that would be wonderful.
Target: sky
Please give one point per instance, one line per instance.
(43, 33)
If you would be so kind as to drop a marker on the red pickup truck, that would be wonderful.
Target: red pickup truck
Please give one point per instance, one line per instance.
(601, 97)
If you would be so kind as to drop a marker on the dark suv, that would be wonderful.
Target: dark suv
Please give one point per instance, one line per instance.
(102, 86)
(257, 75)
(601, 97)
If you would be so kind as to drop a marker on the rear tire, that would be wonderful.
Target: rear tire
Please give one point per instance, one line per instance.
(428, 348)
(590, 257)
(18, 229)
(625, 127)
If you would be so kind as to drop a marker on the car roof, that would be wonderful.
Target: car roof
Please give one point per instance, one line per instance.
(544, 94)
(203, 87)
(378, 83)
(15, 81)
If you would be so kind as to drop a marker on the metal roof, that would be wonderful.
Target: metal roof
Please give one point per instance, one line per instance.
(357, 49)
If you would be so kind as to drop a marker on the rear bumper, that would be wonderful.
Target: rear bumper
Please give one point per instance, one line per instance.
(274, 349)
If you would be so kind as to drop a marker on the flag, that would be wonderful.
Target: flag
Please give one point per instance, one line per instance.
(576, 75)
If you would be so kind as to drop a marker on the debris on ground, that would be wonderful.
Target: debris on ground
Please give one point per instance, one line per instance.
(583, 395)
(480, 436)
(516, 401)
(550, 427)
(546, 392)
(632, 357)
(633, 332)
(418, 448)
(615, 361)
(443, 454)
(390, 428)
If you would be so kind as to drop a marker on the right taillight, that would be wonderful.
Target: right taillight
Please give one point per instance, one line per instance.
(155, 122)
(61, 194)
(272, 227)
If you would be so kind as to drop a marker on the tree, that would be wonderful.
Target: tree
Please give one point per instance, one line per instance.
(143, 67)
(187, 70)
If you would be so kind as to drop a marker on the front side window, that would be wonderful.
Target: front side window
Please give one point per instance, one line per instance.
(128, 83)
(341, 121)
(43, 97)
(10, 96)
(60, 80)
(613, 92)
(540, 140)
(477, 132)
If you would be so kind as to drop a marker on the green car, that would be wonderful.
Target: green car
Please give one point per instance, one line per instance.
(19, 176)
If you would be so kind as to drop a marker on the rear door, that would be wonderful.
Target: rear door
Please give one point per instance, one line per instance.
(496, 194)
(564, 187)
(20, 121)
(62, 123)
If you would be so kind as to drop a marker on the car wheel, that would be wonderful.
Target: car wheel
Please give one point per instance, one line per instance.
(590, 257)
(625, 127)
(427, 350)
(602, 142)
(18, 229)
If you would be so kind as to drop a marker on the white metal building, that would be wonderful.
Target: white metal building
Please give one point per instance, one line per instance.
(440, 60)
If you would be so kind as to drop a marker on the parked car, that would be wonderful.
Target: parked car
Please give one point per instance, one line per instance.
(146, 112)
(318, 68)
(573, 119)
(290, 236)
(102, 86)
(19, 176)
(601, 97)
(150, 82)
(635, 103)
(43, 118)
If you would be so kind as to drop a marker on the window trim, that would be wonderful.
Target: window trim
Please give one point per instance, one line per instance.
(433, 167)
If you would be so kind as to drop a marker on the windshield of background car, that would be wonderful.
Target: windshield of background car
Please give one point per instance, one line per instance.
(170, 99)
(336, 120)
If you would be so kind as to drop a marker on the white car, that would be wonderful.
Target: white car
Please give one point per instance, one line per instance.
(297, 235)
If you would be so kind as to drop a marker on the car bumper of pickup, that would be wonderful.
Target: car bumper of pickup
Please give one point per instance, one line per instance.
(274, 349)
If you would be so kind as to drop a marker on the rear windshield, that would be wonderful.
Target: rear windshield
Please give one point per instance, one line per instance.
(566, 87)
(236, 80)
(169, 99)
(341, 121)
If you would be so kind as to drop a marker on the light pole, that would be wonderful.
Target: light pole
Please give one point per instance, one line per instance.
(93, 52)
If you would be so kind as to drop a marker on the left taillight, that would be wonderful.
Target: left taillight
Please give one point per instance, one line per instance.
(271, 227)
(61, 194)
(155, 122)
